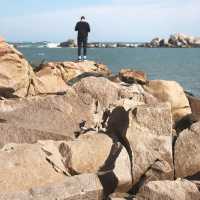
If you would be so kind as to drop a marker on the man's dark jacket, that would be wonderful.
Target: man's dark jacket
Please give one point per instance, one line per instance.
(83, 29)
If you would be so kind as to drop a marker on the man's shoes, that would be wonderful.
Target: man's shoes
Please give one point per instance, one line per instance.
(79, 59)
(84, 58)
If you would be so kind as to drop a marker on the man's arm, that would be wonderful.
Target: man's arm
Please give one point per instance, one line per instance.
(88, 28)
(76, 27)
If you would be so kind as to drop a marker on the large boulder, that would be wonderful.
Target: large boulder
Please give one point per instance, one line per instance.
(70, 70)
(17, 78)
(99, 88)
(25, 173)
(172, 92)
(131, 76)
(109, 96)
(169, 190)
(150, 141)
(49, 117)
(15, 72)
(48, 81)
(150, 137)
(187, 152)
(25, 166)
(82, 187)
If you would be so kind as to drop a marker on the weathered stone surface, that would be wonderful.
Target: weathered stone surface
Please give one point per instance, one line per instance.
(99, 88)
(15, 72)
(49, 80)
(170, 91)
(23, 167)
(132, 76)
(169, 190)
(49, 117)
(70, 70)
(150, 138)
(151, 147)
(26, 174)
(16, 134)
(187, 152)
(111, 94)
(82, 187)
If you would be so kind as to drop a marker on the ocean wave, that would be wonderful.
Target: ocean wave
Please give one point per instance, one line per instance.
(52, 45)
(36, 45)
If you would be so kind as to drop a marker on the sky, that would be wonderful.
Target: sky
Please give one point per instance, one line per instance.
(110, 20)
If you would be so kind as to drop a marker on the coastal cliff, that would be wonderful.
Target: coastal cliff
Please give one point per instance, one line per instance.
(72, 130)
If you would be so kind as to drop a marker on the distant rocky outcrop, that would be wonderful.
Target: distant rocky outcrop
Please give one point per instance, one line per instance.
(68, 43)
(178, 40)
(72, 130)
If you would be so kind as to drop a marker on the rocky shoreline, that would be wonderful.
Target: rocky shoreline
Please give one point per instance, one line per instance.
(72, 130)
(178, 40)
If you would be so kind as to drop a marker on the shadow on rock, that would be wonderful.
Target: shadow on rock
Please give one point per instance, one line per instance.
(106, 175)
(7, 93)
(186, 122)
(116, 124)
(84, 75)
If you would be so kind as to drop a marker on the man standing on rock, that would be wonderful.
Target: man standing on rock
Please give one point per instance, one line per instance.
(83, 29)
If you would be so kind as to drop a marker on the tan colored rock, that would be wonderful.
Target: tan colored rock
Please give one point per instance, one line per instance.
(132, 76)
(170, 91)
(49, 117)
(151, 146)
(70, 70)
(16, 134)
(99, 88)
(49, 80)
(187, 152)
(25, 174)
(169, 190)
(23, 167)
(82, 187)
(111, 94)
(15, 72)
(17, 78)
(150, 137)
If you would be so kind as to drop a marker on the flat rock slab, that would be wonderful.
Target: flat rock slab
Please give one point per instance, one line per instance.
(37, 118)
(169, 190)
(82, 187)
(187, 152)
(31, 172)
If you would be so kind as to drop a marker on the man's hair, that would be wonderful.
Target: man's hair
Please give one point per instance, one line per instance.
(82, 17)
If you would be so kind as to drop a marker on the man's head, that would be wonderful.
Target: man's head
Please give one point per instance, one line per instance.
(82, 18)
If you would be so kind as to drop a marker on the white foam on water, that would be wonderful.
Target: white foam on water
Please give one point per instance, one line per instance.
(52, 45)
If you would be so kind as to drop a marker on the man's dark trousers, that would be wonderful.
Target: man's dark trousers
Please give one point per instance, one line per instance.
(82, 42)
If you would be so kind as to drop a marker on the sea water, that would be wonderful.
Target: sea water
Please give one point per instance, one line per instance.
(179, 64)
